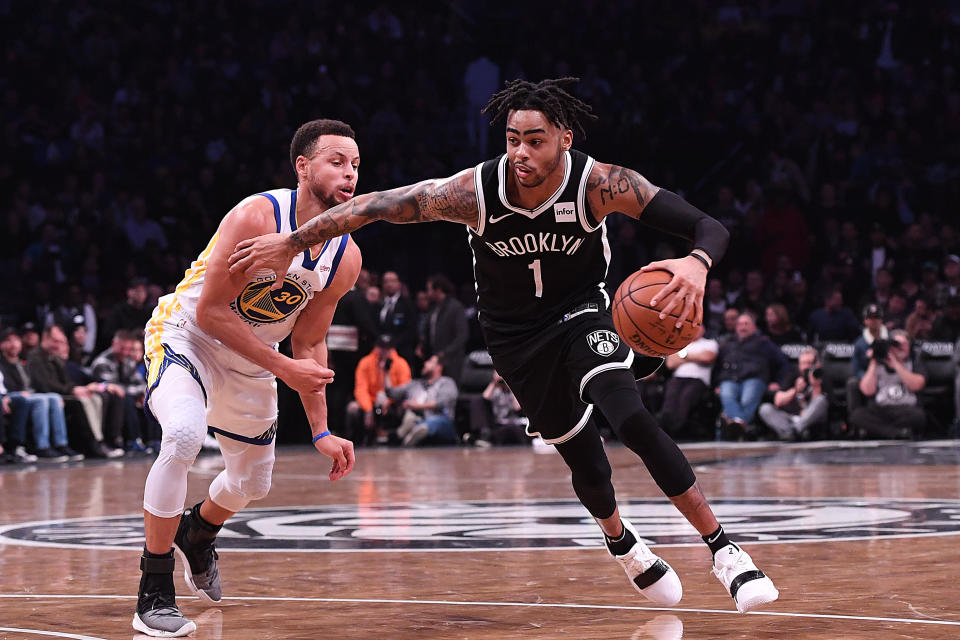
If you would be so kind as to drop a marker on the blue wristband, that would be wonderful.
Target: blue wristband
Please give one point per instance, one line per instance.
(320, 435)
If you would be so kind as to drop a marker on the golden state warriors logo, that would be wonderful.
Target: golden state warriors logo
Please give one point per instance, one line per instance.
(258, 303)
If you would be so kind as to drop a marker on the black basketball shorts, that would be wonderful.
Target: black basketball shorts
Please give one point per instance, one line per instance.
(549, 370)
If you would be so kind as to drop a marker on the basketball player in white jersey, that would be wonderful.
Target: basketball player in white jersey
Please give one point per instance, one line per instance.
(211, 351)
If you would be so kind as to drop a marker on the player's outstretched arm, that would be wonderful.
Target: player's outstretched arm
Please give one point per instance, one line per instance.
(452, 199)
(612, 188)
(251, 217)
(309, 343)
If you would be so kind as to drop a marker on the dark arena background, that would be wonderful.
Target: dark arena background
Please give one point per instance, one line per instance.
(824, 135)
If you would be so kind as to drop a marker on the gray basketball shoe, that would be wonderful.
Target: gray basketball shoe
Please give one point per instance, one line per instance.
(157, 614)
(199, 557)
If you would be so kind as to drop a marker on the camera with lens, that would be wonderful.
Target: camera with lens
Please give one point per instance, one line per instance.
(881, 349)
(813, 373)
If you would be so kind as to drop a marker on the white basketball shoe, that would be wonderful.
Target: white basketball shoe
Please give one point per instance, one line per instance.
(747, 585)
(650, 575)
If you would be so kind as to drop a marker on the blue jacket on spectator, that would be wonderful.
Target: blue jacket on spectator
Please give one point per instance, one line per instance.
(755, 356)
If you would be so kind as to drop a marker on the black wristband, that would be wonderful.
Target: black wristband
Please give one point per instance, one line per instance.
(701, 259)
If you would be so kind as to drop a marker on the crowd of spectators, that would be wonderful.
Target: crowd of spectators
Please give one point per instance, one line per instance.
(824, 135)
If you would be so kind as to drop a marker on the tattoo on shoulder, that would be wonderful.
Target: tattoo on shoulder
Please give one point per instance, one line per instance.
(621, 183)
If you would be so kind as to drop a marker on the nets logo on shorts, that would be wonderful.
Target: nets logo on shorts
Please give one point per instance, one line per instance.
(603, 342)
(258, 303)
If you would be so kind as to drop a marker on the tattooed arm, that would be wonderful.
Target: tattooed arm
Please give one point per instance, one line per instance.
(452, 199)
(617, 189)
(611, 188)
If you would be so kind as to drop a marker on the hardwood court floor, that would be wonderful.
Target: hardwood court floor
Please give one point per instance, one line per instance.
(443, 543)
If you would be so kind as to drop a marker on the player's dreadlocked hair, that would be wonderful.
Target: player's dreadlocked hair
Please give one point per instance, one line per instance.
(547, 96)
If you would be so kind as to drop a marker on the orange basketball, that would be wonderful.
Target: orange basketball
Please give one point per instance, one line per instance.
(638, 322)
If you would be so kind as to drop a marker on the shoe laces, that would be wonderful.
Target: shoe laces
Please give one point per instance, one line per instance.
(638, 559)
(727, 571)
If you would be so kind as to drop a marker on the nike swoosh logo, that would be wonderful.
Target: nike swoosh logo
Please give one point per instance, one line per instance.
(496, 220)
(714, 539)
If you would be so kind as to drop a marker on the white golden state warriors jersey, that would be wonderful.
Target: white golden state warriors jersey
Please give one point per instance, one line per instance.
(270, 314)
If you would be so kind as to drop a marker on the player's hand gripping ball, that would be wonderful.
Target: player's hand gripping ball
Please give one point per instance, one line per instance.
(638, 322)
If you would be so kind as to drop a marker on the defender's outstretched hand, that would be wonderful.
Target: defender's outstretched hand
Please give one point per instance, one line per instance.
(685, 288)
(341, 451)
(270, 252)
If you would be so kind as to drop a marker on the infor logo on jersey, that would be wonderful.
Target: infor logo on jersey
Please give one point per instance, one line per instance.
(565, 212)
(258, 303)
(603, 342)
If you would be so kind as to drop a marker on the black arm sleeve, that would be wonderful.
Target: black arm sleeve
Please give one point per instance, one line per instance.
(671, 214)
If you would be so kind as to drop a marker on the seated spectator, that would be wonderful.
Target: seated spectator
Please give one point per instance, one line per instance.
(132, 314)
(950, 287)
(48, 370)
(509, 424)
(919, 324)
(833, 322)
(891, 382)
(428, 405)
(798, 298)
(746, 368)
(947, 325)
(44, 409)
(12, 440)
(729, 330)
(30, 338)
(78, 342)
(116, 367)
(378, 371)
(779, 327)
(895, 315)
(873, 329)
(797, 411)
(752, 298)
(714, 307)
(686, 388)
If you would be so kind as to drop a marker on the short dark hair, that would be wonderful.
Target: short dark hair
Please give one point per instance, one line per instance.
(306, 136)
(547, 96)
(442, 282)
(124, 334)
(49, 329)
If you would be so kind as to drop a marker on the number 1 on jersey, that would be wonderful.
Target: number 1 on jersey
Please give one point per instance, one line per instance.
(537, 277)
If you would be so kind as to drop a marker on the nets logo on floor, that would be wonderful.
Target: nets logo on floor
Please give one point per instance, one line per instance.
(506, 525)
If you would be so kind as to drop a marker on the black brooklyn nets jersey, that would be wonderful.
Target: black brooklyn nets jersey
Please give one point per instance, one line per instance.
(534, 266)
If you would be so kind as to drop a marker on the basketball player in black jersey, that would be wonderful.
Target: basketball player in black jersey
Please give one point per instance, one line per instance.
(536, 219)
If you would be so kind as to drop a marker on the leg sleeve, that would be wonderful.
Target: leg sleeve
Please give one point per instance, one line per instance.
(178, 404)
(246, 476)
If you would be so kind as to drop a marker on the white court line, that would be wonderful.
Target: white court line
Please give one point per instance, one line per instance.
(38, 632)
(480, 603)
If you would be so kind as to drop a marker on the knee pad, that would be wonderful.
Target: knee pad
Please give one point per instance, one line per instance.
(233, 491)
(184, 429)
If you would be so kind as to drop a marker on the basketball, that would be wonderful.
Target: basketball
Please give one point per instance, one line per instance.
(638, 322)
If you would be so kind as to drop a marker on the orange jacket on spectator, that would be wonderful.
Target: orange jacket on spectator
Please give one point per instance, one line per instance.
(369, 377)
